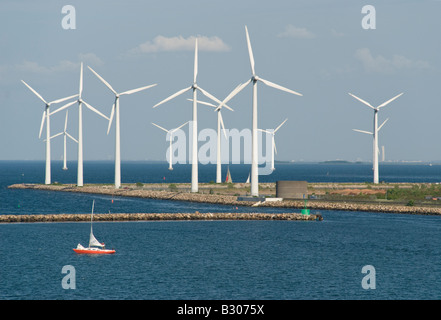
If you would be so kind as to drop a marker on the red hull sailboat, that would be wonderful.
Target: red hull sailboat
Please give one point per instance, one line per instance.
(95, 247)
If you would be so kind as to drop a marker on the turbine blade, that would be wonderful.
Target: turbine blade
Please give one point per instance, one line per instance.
(204, 103)
(275, 148)
(95, 110)
(270, 132)
(35, 92)
(382, 124)
(81, 81)
(226, 107)
(280, 125)
(209, 95)
(111, 117)
(272, 84)
(222, 124)
(62, 108)
(62, 99)
(250, 51)
(42, 123)
(172, 96)
(71, 137)
(389, 101)
(56, 135)
(362, 131)
(65, 121)
(160, 127)
(103, 81)
(361, 100)
(137, 90)
(180, 126)
(195, 73)
(236, 90)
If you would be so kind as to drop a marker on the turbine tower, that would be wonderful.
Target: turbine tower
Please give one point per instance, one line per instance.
(273, 141)
(375, 131)
(194, 87)
(65, 135)
(46, 117)
(115, 109)
(80, 126)
(171, 131)
(254, 147)
(220, 122)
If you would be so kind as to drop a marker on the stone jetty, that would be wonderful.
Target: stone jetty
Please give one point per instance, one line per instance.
(157, 217)
(133, 191)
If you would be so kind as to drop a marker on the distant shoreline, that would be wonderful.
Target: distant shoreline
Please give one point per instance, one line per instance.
(280, 162)
(132, 190)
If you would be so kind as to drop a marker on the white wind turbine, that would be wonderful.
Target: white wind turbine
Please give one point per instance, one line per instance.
(220, 122)
(170, 132)
(254, 146)
(273, 142)
(80, 126)
(115, 109)
(65, 135)
(194, 87)
(375, 132)
(46, 117)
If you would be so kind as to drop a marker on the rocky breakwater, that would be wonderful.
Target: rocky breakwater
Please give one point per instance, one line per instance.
(136, 192)
(156, 217)
(129, 191)
(354, 206)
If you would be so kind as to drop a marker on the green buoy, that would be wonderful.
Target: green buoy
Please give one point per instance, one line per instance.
(305, 210)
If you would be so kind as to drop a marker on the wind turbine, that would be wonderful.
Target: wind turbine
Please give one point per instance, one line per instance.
(274, 149)
(171, 131)
(254, 147)
(220, 122)
(65, 135)
(376, 130)
(80, 126)
(115, 109)
(194, 87)
(46, 117)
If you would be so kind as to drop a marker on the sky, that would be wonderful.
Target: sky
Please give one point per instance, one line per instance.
(318, 48)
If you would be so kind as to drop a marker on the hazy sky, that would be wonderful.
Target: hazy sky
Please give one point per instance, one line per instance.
(317, 48)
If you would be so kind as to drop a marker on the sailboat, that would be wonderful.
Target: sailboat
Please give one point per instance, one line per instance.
(228, 179)
(95, 247)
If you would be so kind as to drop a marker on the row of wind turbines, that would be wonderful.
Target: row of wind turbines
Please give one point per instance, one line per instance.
(194, 87)
(46, 118)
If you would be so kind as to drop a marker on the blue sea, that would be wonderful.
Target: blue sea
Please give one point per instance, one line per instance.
(225, 260)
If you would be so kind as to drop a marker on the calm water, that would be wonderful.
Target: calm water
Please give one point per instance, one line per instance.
(215, 259)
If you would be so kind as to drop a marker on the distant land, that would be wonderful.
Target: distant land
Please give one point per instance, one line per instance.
(337, 161)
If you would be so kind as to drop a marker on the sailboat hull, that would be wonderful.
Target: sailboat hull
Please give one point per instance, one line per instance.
(94, 251)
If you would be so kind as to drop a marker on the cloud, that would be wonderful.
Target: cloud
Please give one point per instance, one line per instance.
(179, 43)
(90, 58)
(295, 32)
(34, 67)
(380, 64)
(61, 66)
(337, 34)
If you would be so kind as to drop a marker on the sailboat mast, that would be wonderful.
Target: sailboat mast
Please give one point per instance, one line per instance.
(91, 220)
